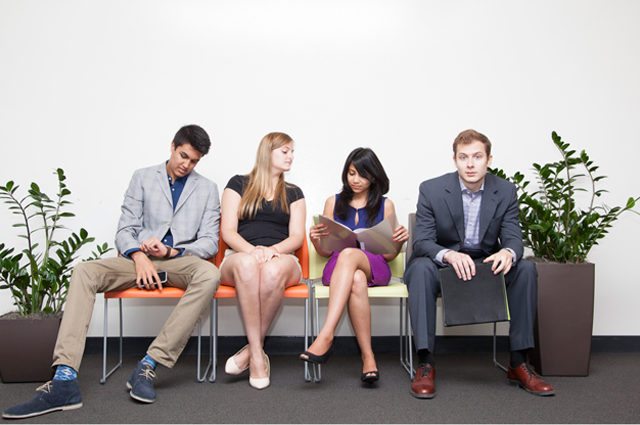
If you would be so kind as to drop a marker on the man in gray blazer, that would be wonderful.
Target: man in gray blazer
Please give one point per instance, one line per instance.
(169, 222)
(464, 217)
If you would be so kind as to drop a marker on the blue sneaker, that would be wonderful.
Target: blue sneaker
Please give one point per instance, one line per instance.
(141, 383)
(52, 396)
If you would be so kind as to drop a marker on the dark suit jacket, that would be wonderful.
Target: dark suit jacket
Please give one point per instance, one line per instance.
(440, 217)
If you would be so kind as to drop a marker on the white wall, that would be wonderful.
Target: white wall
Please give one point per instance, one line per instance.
(99, 88)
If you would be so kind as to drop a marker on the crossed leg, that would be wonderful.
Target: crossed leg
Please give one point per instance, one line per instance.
(260, 288)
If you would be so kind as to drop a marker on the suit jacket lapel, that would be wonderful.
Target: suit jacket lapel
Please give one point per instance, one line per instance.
(189, 187)
(453, 198)
(488, 205)
(163, 182)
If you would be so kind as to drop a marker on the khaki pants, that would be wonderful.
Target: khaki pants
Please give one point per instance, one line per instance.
(198, 277)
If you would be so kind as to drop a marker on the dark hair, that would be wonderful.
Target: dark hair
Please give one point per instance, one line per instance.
(195, 136)
(469, 136)
(368, 166)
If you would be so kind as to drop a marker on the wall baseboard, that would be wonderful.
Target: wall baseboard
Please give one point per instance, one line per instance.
(290, 345)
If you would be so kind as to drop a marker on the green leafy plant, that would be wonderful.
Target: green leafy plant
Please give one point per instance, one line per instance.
(38, 275)
(553, 225)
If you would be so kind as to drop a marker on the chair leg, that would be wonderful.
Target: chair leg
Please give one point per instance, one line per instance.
(214, 345)
(105, 336)
(495, 360)
(406, 351)
(307, 374)
(412, 371)
(316, 368)
(201, 377)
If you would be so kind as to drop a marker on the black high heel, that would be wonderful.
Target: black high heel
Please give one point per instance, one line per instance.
(370, 377)
(308, 356)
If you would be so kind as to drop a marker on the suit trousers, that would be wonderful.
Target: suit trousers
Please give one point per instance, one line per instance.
(423, 282)
(198, 277)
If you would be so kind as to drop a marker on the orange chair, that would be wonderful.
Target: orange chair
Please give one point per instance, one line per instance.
(300, 291)
(167, 292)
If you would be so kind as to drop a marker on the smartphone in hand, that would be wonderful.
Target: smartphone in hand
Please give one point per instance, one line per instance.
(163, 276)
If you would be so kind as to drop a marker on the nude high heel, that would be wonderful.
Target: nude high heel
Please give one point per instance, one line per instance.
(231, 367)
(262, 383)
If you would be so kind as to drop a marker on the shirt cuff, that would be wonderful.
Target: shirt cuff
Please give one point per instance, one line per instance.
(513, 254)
(439, 260)
(128, 252)
(180, 252)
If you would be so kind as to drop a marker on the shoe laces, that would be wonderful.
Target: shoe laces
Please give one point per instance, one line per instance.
(531, 375)
(148, 373)
(426, 369)
(45, 388)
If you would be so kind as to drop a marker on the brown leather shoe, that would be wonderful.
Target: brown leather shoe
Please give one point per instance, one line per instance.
(423, 384)
(529, 381)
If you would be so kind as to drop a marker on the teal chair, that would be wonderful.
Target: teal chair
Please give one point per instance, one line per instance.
(395, 289)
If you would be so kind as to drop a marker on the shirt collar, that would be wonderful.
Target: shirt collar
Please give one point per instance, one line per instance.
(181, 180)
(464, 189)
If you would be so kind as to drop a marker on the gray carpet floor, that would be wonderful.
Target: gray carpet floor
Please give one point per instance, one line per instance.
(469, 390)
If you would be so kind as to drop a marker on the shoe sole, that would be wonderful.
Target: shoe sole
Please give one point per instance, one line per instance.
(259, 387)
(541, 393)
(137, 397)
(422, 396)
(44, 412)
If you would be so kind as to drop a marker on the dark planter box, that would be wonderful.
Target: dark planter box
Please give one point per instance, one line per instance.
(26, 348)
(564, 325)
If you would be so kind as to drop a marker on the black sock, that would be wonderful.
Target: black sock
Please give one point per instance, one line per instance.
(518, 357)
(424, 357)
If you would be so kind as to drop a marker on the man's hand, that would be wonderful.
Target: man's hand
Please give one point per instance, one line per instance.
(502, 261)
(463, 264)
(154, 247)
(146, 273)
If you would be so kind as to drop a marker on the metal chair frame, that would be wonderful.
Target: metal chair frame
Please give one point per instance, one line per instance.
(200, 375)
(303, 257)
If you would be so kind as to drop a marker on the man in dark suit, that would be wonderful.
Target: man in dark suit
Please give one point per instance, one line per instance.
(463, 217)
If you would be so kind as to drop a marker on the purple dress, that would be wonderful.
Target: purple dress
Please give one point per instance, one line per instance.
(380, 271)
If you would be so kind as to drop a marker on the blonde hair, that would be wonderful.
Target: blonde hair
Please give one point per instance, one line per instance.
(259, 183)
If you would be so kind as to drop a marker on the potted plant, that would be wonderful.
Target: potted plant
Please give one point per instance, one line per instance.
(37, 277)
(561, 234)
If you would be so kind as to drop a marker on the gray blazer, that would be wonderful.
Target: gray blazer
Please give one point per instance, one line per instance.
(440, 217)
(147, 210)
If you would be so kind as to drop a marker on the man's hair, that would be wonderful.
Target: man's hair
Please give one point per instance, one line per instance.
(469, 136)
(195, 136)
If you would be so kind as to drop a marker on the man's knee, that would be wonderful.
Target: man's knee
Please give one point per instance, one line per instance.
(84, 274)
(207, 276)
(421, 271)
(526, 271)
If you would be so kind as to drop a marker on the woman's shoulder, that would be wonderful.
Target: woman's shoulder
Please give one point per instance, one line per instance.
(237, 183)
(293, 192)
(330, 202)
(389, 207)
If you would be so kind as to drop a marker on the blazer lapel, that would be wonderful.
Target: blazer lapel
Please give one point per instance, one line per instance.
(453, 199)
(488, 205)
(163, 182)
(189, 187)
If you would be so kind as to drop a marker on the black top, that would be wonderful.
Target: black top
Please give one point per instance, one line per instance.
(269, 226)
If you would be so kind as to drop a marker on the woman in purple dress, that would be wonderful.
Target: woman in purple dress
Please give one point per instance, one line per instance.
(350, 272)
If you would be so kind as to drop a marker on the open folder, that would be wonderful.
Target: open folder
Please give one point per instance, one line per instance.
(482, 299)
(376, 239)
